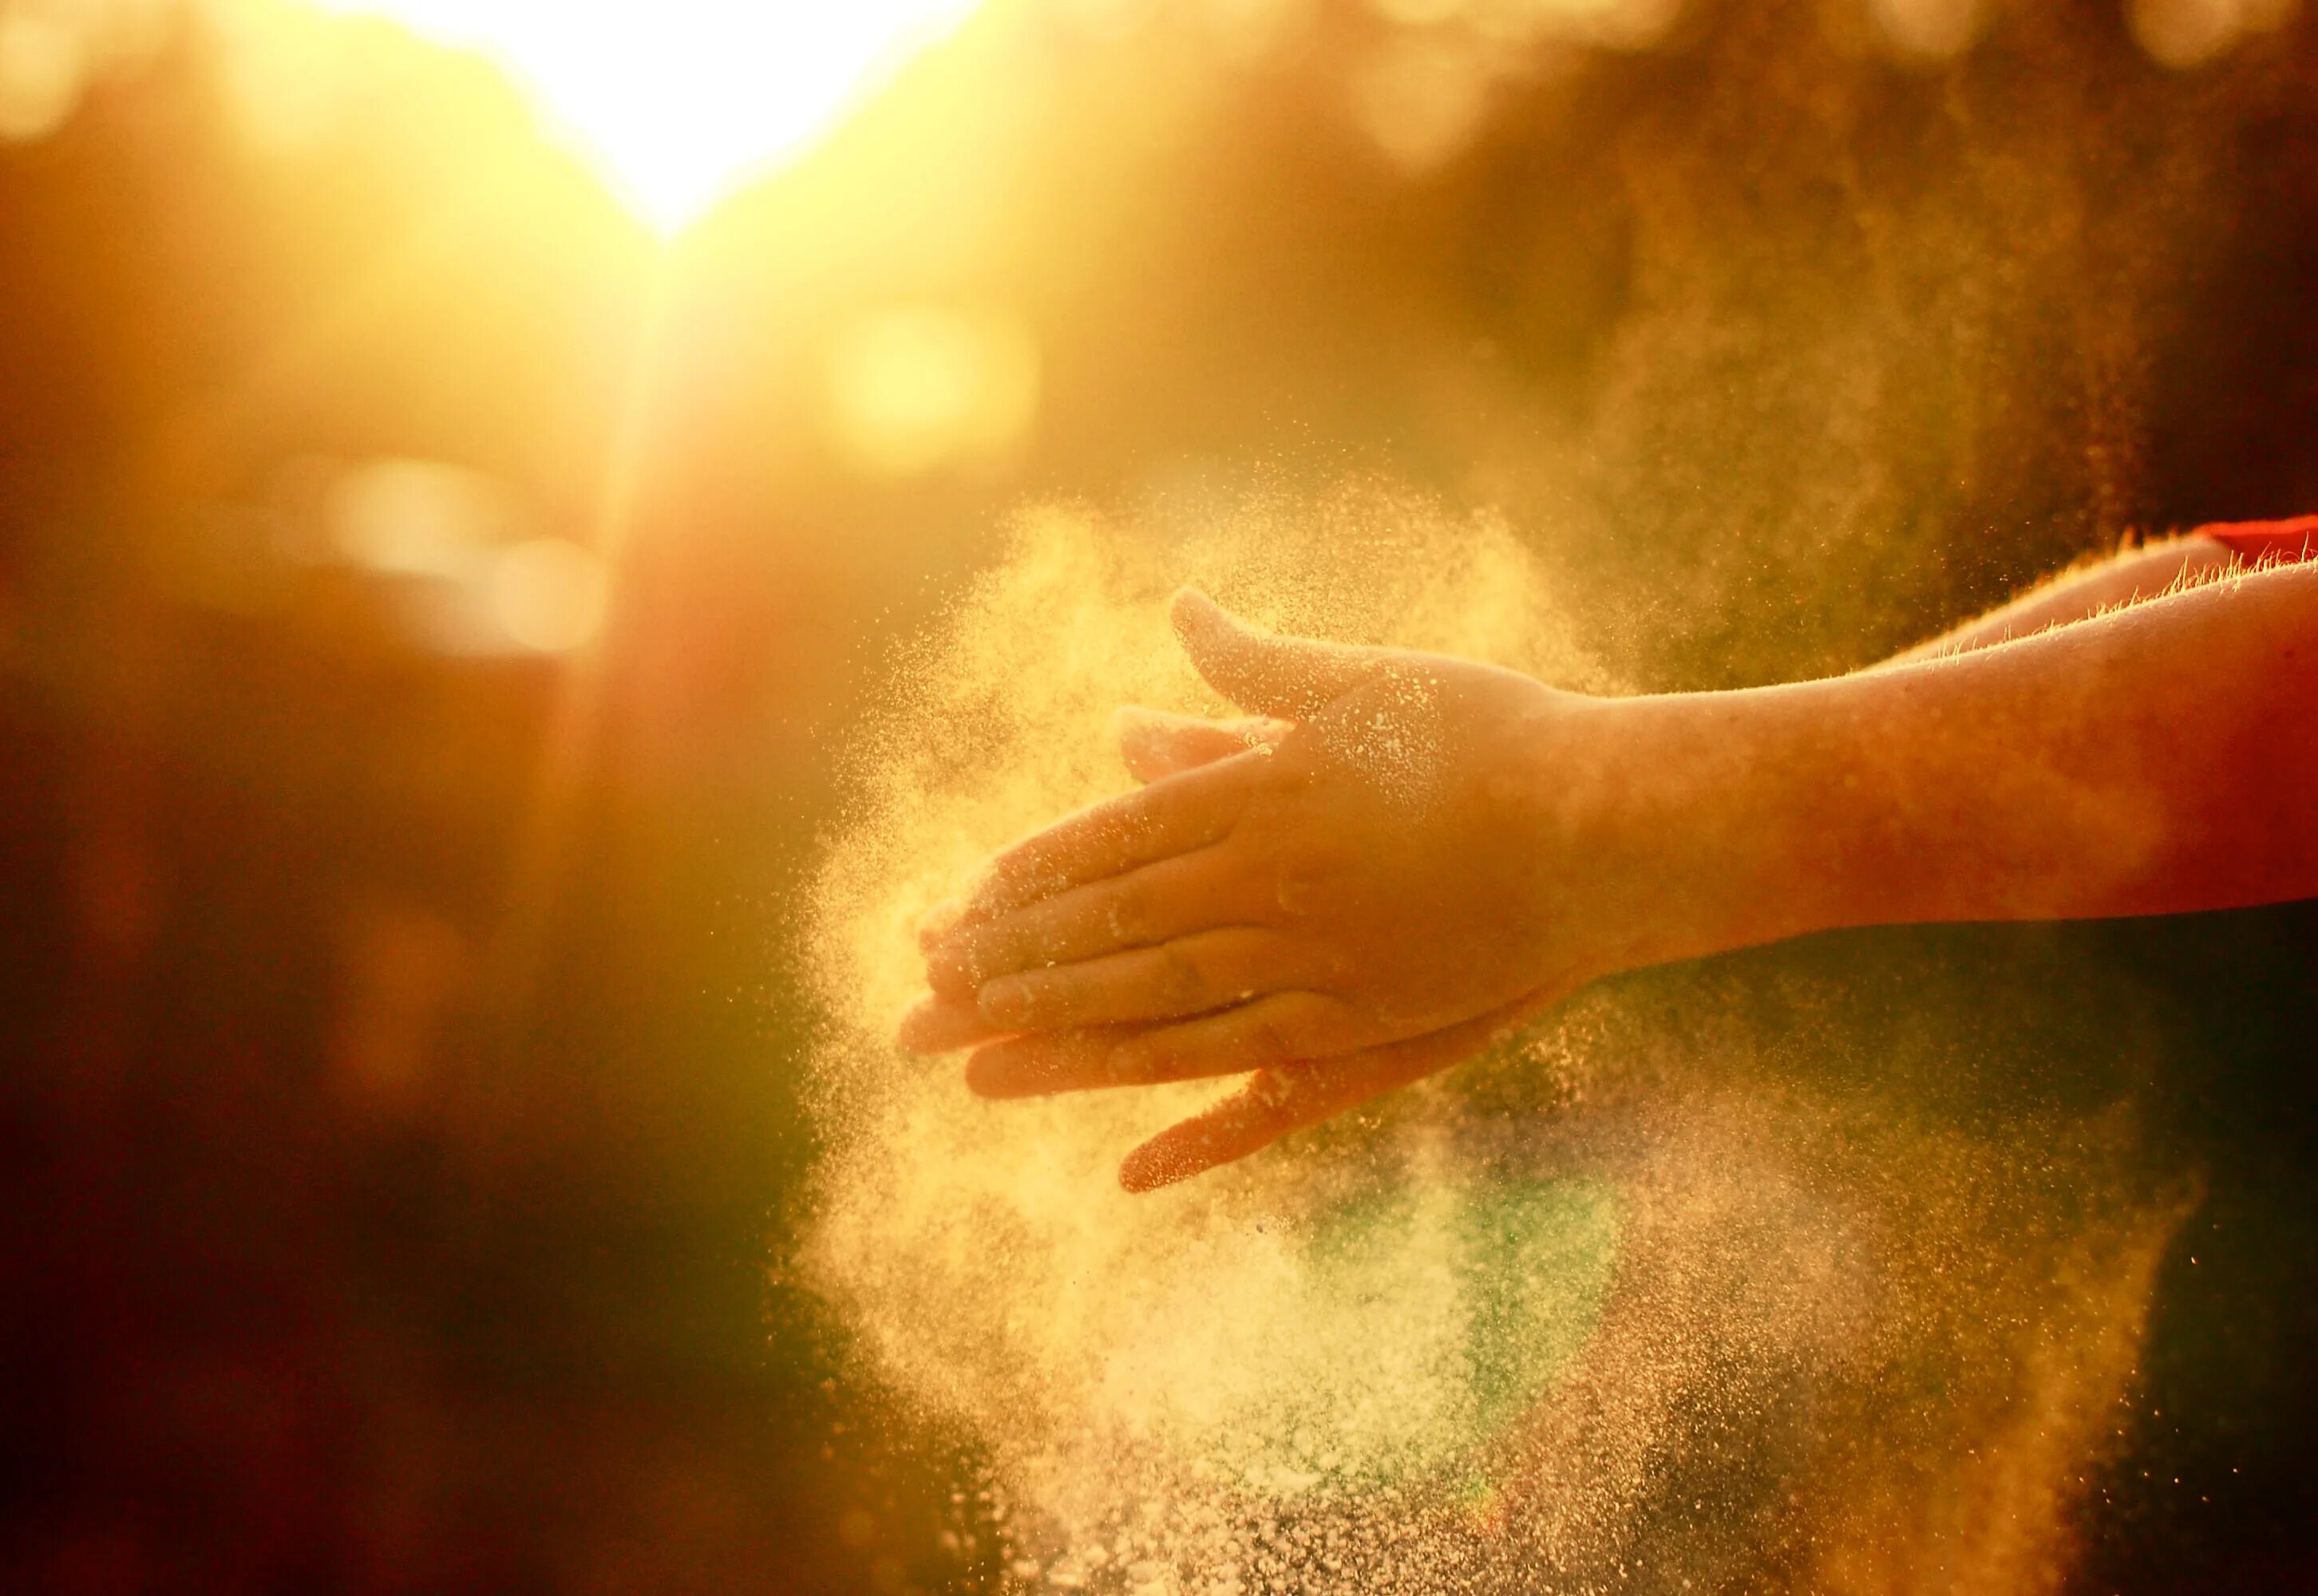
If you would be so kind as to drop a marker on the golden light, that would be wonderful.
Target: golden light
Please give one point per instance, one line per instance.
(678, 101)
(40, 67)
(550, 594)
(919, 387)
(2185, 33)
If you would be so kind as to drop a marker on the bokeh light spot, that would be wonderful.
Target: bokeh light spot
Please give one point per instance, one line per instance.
(1612, 24)
(918, 387)
(1929, 30)
(42, 61)
(1420, 99)
(2187, 34)
(550, 594)
(416, 517)
(1247, 31)
(1418, 14)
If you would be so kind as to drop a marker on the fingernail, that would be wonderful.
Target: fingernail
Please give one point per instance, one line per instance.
(1005, 1001)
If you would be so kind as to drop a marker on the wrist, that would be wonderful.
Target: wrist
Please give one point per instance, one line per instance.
(1696, 815)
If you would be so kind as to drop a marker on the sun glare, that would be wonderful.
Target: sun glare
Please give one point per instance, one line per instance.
(678, 101)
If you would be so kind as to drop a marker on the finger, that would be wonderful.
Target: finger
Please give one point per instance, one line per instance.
(1156, 744)
(1047, 1061)
(1272, 1030)
(937, 922)
(942, 1024)
(1169, 817)
(1186, 975)
(1290, 677)
(1290, 1097)
(1040, 1063)
(1279, 1028)
(1274, 1102)
(1195, 891)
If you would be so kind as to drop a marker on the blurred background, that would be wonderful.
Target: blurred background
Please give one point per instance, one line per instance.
(464, 466)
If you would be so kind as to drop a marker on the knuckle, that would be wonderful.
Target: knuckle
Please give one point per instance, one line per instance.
(976, 958)
(1272, 1033)
(1239, 802)
(1300, 879)
(1305, 762)
(1130, 911)
(1183, 977)
(1007, 948)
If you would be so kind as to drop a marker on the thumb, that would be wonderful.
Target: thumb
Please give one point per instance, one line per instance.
(1290, 677)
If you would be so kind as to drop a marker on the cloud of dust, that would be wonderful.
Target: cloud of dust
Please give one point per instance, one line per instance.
(1623, 1306)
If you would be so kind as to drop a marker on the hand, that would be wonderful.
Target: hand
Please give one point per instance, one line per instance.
(1364, 886)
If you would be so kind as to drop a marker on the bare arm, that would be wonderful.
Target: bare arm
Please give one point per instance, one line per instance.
(2155, 759)
(1322, 912)
(2149, 571)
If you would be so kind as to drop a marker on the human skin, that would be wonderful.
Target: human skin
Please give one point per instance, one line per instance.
(2130, 577)
(1404, 855)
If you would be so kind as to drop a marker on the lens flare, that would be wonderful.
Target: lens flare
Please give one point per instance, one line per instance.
(678, 101)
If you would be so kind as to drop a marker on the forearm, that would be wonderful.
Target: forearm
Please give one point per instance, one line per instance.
(2137, 574)
(2162, 759)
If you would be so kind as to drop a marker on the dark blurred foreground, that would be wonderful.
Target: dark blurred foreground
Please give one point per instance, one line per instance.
(399, 1118)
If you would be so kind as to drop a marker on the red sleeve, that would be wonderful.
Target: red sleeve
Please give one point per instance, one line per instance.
(2286, 540)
